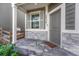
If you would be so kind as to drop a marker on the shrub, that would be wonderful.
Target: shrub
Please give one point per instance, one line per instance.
(8, 50)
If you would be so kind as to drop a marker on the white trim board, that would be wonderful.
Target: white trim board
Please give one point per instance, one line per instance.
(33, 13)
(57, 8)
(36, 30)
(25, 24)
(77, 17)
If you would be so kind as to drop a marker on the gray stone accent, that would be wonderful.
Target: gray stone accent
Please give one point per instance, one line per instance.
(42, 35)
(70, 42)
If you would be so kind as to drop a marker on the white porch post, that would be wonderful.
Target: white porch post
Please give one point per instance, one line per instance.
(47, 21)
(46, 24)
(14, 23)
(25, 24)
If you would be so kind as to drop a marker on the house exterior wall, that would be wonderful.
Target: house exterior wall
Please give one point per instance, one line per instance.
(70, 38)
(31, 34)
(21, 20)
(6, 16)
(41, 11)
(38, 34)
(53, 6)
(41, 35)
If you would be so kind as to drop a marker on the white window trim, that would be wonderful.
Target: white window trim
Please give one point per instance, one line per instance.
(32, 13)
(39, 24)
(62, 7)
(77, 17)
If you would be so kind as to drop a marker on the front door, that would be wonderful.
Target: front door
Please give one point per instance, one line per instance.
(55, 27)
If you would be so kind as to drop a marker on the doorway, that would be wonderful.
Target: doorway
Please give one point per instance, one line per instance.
(55, 27)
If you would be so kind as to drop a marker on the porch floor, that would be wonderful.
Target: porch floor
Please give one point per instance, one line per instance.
(40, 48)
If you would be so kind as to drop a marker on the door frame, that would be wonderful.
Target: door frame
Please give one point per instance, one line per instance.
(62, 9)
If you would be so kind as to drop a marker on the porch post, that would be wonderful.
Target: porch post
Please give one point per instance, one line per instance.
(14, 23)
(25, 24)
(46, 24)
(47, 21)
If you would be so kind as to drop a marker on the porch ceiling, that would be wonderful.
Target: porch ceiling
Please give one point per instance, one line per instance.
(29, 6)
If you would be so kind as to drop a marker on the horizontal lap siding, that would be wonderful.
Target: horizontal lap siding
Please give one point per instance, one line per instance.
(6, 16)
(70, 16)
(53, 6)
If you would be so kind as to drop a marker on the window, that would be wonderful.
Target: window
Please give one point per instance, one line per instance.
(70, 16)
(35, 19)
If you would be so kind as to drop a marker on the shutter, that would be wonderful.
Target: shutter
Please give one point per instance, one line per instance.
(28, 21)
(42, 20)
(70, 16)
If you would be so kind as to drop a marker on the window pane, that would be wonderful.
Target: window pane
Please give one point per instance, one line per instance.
(35, 24)
(35, 21)
(35, 17)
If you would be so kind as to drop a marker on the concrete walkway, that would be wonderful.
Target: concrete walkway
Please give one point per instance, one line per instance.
(39, 48)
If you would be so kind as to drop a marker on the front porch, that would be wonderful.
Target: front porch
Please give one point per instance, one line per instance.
(33, 47)
(46, 24)
(35, 21)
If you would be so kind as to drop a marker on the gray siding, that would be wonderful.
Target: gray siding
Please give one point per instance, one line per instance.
(6, 16)
(28, 21)
(70, 16)
(21, 20)
(52, 6)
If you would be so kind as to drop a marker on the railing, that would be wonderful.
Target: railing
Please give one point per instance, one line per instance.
(5, 36)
